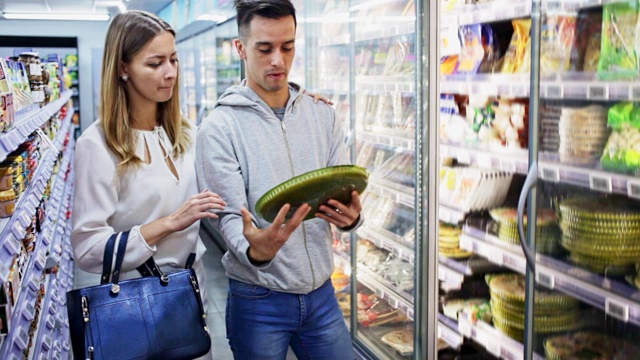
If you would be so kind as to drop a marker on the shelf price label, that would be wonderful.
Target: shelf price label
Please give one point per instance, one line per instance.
(601, 183)
(551, 174)
(597, 92)
(494, 348)
(466, 243)
(633, 189)
(635, 93)
(617, 309)
(464, 157)
(508, 165)
(554, 92)
(484, 161)
(464, 327)
(496, 257)
(545, 279)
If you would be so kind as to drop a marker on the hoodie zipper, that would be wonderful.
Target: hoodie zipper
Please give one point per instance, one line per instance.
(304, 229)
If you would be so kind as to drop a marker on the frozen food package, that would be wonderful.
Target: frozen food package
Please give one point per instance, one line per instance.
(622, 151)
(491, 50)
(618, 55)
(585, 52)
(448, 65)
(518, 56)
(450, 41)
(472, 51)
(557, 38)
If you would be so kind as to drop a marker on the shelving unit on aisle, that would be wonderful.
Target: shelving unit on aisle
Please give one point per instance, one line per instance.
(387, 138)
(27, 123)
(617, 299)
(597, 179)
(496, 343)
(405, 28)
(448, 331)
(46, 254)
(507, 159)
(382, 83)
(506, 85)
(389, 241)
(398, 193)
(13, 228)
(383, 288)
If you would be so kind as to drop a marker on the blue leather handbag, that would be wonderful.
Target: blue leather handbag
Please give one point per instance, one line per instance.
(160, 316)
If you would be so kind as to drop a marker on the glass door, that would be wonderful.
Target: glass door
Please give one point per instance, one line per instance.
(363, 54)
(227, 59)
(587, 233)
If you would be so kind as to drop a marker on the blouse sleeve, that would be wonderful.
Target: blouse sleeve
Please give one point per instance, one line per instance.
(96, 189)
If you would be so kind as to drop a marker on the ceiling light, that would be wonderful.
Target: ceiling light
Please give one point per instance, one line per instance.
(52, 16)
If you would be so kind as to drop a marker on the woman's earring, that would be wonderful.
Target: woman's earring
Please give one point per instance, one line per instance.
(124, 77)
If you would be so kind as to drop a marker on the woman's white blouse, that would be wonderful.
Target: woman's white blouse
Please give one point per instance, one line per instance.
(106, 202)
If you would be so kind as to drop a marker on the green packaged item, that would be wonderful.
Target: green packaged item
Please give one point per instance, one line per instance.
(622, 151)
(618, 55)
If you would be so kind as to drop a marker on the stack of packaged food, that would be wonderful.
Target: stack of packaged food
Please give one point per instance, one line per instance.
(449, 242)
(553, 312)
(583, 134)
(601, 234)
(589, 345)
(547, 231)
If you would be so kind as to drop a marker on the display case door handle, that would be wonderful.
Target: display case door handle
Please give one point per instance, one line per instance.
(530, 182)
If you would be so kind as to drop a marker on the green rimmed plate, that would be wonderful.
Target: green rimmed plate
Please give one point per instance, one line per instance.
(314, 188)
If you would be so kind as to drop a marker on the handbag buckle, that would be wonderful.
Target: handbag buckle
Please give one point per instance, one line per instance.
(115, 288)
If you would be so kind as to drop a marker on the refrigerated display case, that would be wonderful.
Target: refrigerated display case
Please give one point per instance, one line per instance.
(543, 92)
(227, 60)
(362, 55)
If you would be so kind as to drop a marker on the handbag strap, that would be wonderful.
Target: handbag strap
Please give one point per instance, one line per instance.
(122, 248)
(108, 259)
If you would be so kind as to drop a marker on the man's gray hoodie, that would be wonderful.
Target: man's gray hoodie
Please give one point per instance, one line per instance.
(243, 150)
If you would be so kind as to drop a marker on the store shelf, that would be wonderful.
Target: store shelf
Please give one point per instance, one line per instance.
(453, 278)
(13, 229)
(386, 286)
(572, 5)
(591, 178)
(401, 83)
(343, 39)
(507, 85)
(408, 28)
(448, 331)
(492, 12)
(496, 343)
(385, 239)
(510, 160)
(590, 90)
(401, 196)
(388, 138)
(25, 124)
(450, 215)
(617, 299)
(393, 298)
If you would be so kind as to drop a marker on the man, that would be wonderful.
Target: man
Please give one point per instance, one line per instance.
(262, 133)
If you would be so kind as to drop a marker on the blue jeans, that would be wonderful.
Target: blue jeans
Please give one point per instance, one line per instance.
(263, 323)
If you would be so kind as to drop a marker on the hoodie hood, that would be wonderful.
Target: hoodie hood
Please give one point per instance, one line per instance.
(243, 95)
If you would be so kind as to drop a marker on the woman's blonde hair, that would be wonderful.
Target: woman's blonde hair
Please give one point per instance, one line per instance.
(128, 33)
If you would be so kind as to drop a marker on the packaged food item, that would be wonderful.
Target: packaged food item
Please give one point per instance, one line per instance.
(7, 203)
(622, 151)
(557, 37)
(401, 340)
(472, 51)
(618, 56)
(585, 52)
(518, 56)
(491, 49)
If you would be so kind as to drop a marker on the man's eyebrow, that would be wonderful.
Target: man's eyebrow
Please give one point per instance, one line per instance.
(267, 43)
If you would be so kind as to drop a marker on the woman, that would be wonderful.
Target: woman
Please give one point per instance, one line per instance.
(134, 168)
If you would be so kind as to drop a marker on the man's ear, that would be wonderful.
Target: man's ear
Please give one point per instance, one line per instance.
(240, 48)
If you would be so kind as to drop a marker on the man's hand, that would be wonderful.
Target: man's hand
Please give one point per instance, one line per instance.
(341, 215)
(265, 243)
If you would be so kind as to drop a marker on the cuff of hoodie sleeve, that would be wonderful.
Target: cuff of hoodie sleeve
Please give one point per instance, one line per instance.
(353, 227)
(136, 230)
(243, 253)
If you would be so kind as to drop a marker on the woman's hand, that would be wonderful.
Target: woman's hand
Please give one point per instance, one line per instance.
(197, 207)
(321, 98)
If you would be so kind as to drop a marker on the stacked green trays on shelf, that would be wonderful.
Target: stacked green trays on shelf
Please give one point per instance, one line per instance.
(601, 234)
(588, 345)
(547, 231)
(553, 312)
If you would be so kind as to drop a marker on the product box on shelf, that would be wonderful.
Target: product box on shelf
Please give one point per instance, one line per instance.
(7, 111)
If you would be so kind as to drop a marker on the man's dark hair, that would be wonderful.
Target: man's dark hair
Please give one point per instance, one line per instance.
(246, 10)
